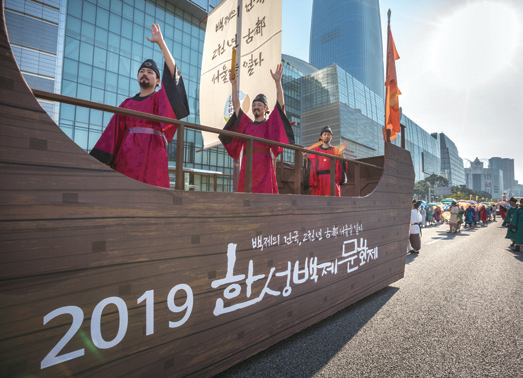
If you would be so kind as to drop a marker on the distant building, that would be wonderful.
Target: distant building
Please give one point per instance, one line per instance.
(348, 33)
(507, 166)
(509, 181)
(487, 179)
(294, 70)
(452, 167)
(331, 96)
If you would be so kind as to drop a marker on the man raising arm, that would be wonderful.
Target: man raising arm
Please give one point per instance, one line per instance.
(277, 128)
(136, 147)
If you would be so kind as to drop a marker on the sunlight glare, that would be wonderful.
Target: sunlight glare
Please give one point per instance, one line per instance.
(475, 44)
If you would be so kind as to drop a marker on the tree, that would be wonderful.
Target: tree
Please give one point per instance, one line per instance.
(435, 180)
(421, 188)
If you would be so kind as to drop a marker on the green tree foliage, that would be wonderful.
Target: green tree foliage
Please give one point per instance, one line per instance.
(421, 188)
(435, 180)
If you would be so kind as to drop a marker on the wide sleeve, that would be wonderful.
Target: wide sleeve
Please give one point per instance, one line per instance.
(106, 149)
(171, 100)
(232, 145)
(175, 90)
(313, 175)
(341, 177)
(279, 129)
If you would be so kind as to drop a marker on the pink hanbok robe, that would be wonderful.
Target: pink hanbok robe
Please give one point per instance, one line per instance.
(137, 147)
(276, 128)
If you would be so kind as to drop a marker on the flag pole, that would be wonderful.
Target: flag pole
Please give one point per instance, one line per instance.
(387, 131)
(236, 162)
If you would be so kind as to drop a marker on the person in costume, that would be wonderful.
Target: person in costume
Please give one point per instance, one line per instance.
(460, 217)
(437, 214)
(276, 128)
(508, 220)
(319, 176)
(415, 227)
(453, 221)
(429, 215)
(138, 147)
(483, 216)
(516, 224)
(502, 211)
(469, 216)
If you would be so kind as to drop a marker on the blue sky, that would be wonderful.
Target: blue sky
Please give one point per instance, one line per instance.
(459, 71)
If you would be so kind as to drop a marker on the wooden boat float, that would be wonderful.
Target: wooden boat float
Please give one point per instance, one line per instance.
(102, 275)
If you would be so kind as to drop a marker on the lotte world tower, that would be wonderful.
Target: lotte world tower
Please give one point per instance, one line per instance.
(348, 33)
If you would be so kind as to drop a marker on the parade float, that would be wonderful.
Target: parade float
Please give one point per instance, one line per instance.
(102, 275)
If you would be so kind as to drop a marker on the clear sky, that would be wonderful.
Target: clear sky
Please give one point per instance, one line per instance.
(460, 69)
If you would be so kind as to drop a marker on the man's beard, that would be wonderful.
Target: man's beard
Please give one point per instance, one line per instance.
(145, 84)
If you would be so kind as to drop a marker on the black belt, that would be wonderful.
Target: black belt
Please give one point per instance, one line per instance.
(323, 172)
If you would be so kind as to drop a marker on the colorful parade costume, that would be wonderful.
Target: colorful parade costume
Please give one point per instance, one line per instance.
(508, 220)
(319, 177)
(517, 223)
(137, 147)
(276, 128)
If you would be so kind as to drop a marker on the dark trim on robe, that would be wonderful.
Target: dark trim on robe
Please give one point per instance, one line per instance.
(286, 124)
(343, 172)
(231, 125)
(307, 174)
(102, 156)
(175, 90)
(137, 97)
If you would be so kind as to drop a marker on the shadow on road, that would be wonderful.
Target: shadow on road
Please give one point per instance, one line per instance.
(411, 257)
(517, 255)
(449, 235)
(308, 351)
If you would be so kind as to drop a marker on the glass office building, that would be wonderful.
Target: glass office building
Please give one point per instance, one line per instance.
(348, 33)
(451, 164)
(507, 166)
(332, 97)
(294, 70)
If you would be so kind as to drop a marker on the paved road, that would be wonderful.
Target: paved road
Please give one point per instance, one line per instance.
(457, 313)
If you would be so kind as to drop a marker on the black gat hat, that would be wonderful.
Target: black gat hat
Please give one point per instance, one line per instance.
(151, 64)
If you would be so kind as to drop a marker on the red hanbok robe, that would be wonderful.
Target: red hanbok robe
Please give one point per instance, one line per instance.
(483, 216)
(277, 128)
(138, 147)
(320, 178)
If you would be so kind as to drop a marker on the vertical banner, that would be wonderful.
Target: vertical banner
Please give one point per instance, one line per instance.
(215, 88)
(259, 46)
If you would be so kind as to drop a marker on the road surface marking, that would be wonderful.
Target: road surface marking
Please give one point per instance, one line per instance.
(437, 240)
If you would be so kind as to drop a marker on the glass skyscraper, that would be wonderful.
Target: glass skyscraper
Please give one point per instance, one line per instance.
(451, 164)
(348, 33)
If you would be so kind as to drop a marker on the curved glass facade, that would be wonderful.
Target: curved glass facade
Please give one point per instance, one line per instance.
(332, 97)
(348, 33)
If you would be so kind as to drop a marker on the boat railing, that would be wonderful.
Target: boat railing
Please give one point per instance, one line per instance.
(180, 135)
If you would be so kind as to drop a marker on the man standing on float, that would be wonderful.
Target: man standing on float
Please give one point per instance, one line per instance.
(319, 177)
(137, 147)
(276, 128)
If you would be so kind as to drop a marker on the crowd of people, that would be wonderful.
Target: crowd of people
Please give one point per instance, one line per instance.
(466, 214)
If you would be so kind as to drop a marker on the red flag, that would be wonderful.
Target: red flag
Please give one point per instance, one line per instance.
(392, 107)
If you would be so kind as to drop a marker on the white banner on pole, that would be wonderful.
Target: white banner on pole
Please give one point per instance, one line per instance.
(259, 51)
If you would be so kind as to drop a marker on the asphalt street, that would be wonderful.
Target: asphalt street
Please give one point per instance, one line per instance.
(456, 313)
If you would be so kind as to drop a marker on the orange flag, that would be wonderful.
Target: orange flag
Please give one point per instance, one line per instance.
(392, 106)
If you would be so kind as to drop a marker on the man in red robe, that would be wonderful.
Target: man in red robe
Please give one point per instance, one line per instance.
(277, 128)
(137, 147)
(319, 177)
